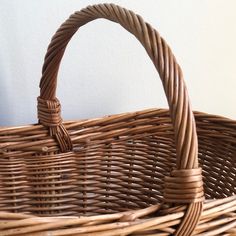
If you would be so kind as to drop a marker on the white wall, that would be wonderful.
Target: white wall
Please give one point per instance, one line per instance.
(105, 70)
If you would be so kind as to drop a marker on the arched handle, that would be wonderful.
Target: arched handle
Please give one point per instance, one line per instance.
(184, 185)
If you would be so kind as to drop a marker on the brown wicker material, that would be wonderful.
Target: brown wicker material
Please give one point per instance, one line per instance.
(128, 174)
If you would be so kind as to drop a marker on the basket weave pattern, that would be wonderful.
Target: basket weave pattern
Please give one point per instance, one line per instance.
(152, 172)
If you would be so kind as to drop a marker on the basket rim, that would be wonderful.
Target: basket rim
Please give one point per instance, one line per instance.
(228, 121)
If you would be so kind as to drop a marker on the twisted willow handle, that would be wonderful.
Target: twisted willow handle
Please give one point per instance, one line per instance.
(184, 184)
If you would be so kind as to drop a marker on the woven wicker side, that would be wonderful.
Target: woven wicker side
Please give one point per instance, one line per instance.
(131, 180)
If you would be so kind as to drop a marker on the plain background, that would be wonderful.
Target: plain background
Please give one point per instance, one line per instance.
(105, 70)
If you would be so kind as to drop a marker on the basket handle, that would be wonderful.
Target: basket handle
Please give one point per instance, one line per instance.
(185, 183)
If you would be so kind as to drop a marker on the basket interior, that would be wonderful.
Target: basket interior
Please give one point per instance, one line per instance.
(118, 163)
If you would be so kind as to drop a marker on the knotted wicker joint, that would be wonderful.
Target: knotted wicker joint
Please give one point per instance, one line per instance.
(184, 186)
(49, 114)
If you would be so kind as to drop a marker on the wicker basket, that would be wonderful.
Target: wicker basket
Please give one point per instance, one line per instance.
(128, 174)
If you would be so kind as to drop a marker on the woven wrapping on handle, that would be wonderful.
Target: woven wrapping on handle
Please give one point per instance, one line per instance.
(49, 114)
(173, 83)
(184, 186)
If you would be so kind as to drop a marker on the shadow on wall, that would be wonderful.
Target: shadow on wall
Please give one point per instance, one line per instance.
(4, 98)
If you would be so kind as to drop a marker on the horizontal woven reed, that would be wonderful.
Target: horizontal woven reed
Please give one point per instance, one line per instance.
(153, 172)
